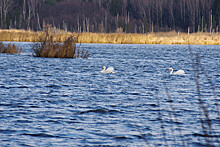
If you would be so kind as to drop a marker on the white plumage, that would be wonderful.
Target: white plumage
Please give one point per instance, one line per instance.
(179, 72)
(108, 70)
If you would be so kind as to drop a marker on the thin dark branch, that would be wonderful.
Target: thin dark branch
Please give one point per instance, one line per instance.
(160, 118)
(174, 114)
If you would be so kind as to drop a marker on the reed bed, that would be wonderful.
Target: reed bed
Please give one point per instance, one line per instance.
(49, 46)
(9, 49)
(117, 38)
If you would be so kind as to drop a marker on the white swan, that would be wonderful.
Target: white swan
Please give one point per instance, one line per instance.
(108, 70)
(179, 72)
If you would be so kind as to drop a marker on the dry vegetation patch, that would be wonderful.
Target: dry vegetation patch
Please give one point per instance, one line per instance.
(9, 49)
(49, 47)
(117, 38)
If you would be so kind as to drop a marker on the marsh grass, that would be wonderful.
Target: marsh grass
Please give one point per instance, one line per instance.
(49, 47)
(9, 49)
(116, 38)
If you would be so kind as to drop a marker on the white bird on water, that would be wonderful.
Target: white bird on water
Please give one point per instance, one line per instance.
(108, 70)
(179, 72)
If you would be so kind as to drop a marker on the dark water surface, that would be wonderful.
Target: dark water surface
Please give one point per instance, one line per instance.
(68, 102)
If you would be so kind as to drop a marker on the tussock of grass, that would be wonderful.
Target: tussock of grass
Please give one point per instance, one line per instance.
(9, 49)
(49, 47)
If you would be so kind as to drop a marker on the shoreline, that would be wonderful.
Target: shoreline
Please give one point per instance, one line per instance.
(116, 38)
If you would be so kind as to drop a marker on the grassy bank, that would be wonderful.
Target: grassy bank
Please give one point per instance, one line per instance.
(117, 38)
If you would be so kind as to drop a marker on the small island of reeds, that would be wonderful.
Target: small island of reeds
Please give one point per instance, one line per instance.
(9, 49)
(48, 45)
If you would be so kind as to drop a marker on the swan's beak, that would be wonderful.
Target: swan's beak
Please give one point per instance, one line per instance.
(168, 69)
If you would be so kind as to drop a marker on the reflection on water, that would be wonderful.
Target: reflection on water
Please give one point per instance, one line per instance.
(68, 102)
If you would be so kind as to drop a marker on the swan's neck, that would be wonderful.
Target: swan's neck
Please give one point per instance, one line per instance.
(103, 69)
(171, 71)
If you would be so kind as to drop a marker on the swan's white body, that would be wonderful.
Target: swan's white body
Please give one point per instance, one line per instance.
(179, 72)
(108, 70)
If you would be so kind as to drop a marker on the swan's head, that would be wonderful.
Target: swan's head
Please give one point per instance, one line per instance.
(170, 69)
(103, 67)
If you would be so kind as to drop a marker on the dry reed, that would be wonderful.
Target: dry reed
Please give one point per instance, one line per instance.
(49, 47)
(9, 49)
(117, 38)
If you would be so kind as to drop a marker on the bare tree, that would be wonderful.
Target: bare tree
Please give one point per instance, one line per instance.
(5, 7)
(1, 13)
(33, 7)
(133, 16)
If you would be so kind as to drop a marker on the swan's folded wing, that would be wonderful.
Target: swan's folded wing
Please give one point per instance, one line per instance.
(179, 72)
(109, 70)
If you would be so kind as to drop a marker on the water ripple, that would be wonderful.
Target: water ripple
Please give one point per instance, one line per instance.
(68, 102)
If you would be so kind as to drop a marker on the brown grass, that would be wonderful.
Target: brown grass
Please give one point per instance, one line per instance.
(50, 47)
(9, 49)
(117, 38)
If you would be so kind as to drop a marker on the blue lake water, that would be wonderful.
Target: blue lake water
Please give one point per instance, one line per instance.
(68, 102)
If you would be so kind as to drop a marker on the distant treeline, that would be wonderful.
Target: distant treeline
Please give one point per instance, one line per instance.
(131, 16)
